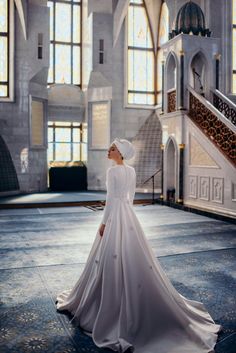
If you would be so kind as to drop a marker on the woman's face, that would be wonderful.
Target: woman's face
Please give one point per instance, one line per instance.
(113, 153)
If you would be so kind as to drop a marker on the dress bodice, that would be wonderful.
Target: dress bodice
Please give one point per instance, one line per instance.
(121, 184)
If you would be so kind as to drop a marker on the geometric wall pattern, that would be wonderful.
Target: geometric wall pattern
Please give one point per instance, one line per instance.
(8, 177)
(148, 152)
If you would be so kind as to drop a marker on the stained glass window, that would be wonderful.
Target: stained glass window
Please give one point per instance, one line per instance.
(67, 142)
(234, 47)
(141, 62)
(65, 42)
(4, 48)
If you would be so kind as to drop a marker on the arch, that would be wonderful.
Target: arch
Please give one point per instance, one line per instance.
(172, 53)
(8, 176)
(171, 165)
(163, 33)
(21, 6)
(171, 71)
(171, 82)
(171, 139)
(201, 80)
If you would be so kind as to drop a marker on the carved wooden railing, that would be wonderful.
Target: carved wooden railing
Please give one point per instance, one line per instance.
(171, 101)
(225, 106)
(219, 133)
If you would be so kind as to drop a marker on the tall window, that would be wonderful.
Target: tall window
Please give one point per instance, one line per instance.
(4, 48)
(67, 142)
(234, 47)
(141, 58)
(163, 36)
(65, 41)
(164, 25)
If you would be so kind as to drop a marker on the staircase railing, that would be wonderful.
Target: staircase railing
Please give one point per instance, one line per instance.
(224, 105)
(152, 177)
(213, 124)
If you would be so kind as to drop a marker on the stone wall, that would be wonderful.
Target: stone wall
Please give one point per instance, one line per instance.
(15, 116)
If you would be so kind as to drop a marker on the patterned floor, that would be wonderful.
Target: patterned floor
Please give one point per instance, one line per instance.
(44, 253)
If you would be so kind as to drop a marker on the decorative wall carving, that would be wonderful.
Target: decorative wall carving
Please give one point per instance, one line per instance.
(193, 186)
(224, 108)
(171, 101)
(204, 189)
(208, 188)
(198, 156)
(217, 190)
(223, 138)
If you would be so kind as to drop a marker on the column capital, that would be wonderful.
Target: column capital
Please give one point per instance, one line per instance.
(181, 146)
(162, 146)
(181, 53)
(217, 56)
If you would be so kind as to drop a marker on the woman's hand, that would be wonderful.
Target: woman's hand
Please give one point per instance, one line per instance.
(101, 229)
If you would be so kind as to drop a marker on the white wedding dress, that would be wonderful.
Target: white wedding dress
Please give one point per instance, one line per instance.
(123, 297)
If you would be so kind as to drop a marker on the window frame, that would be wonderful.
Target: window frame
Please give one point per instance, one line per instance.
(156, 105)
(10, 60)
(159, 79)
(70, 44)
(126, 50)
(56, 124)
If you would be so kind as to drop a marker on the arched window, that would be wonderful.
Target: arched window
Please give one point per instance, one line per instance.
(65, 42)
(164, 25)
(234, 47)
(141, 78)
(163, 36)
(6, 49)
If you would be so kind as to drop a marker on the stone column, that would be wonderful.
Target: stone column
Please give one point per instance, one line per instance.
(181, 173)
(217, 70)
(181, 105)
(162, 171)
(163, 85)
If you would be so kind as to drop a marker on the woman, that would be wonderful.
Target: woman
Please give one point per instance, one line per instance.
(123, 298)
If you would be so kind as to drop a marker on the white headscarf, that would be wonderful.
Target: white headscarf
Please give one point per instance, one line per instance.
(125, 147)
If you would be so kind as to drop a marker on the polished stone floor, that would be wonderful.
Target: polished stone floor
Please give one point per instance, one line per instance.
(44, 250)
(65, 197)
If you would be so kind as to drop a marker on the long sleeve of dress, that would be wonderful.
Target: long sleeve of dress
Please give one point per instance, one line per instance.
(110, 193)
(132, 189)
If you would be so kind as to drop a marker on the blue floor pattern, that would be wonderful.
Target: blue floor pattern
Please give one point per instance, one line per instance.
(42, 254)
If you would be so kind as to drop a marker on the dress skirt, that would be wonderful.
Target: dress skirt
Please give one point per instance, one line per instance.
(124, 298)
